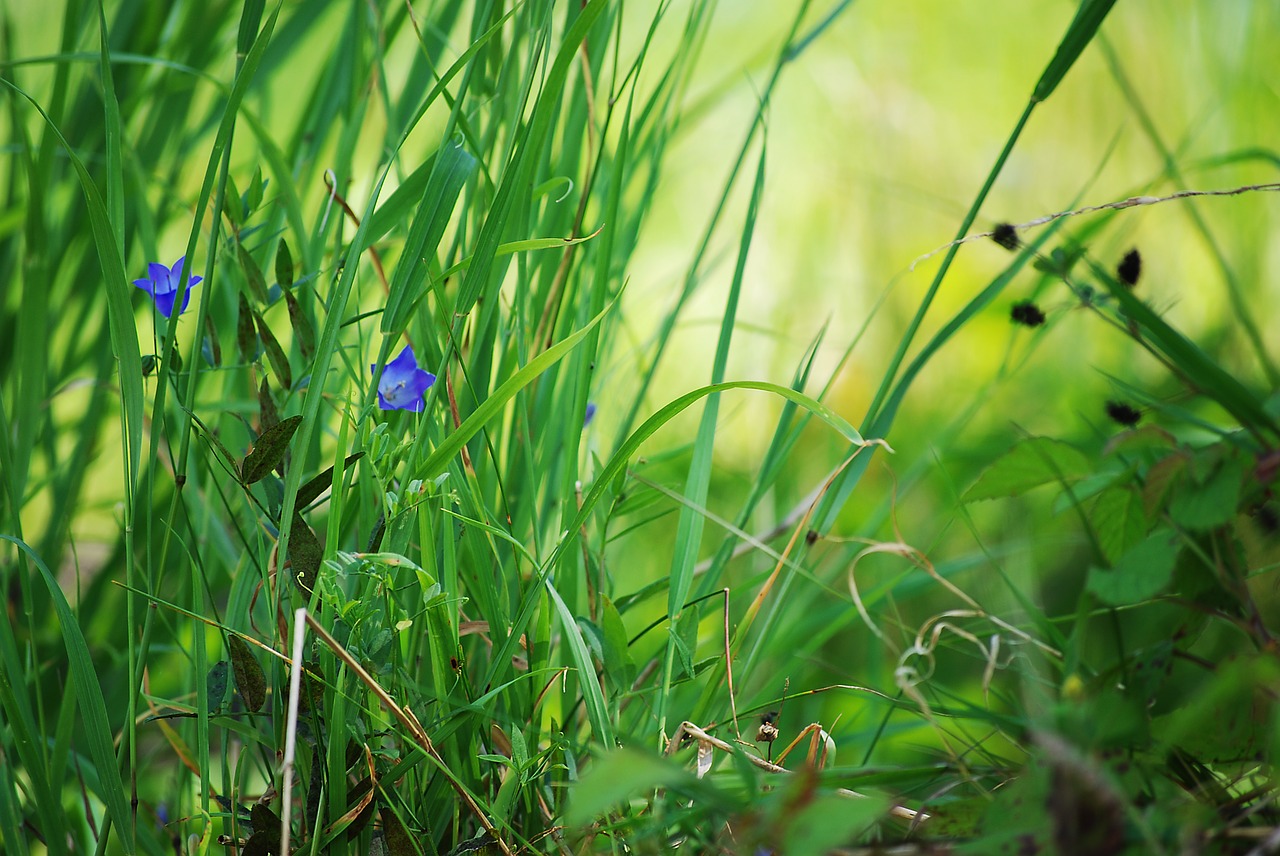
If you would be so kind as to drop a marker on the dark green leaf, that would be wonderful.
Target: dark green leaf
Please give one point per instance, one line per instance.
(268, 451)
(305, 553)
(250, 679)
(284, 265)
(399, 841)
(275, 354)
(302, 327)
(268, 415)
(216, 684)
(310, 491)
(246, 337)
(252, 275)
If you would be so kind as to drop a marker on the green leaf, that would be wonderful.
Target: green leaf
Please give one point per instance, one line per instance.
(1118, 520)
(829, 821)
(252, 273)
(453, 167)
(616, 777)
(246, 336)
(216, 684)
(597, 712)
(275, 354)
(269, 451)
(1141, 574)
(1083, 28)
(251, 681)
(1212, 503)
(619, 665)
(1030, 463)
(308, 493)
(284, 265)
(305, 553)
(95, 722)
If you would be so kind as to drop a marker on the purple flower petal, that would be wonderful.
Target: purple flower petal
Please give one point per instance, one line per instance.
(403, 384)
(162, 285)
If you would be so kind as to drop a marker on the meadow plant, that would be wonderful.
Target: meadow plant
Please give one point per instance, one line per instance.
(254, 608)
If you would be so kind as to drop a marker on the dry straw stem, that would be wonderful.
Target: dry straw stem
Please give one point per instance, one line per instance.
(688, 729)
(1131, 202)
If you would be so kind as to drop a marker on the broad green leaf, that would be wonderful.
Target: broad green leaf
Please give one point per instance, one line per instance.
(1211, 503)
(269, 451)
(1029, 464)
(616, 777)
(1141, 573)
(827, 821)
(1118, 520)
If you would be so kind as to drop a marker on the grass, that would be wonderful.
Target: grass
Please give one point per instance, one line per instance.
(743, 606)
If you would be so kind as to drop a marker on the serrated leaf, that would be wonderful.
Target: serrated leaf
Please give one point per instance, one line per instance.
(1119, 521)
(251, 681)
(1142, 572)
(1160, 480)
(268, 451)
(216, 684)
(1213, 503)
(1029, 464)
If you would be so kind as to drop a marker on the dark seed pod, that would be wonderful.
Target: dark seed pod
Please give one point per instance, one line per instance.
(1130, 268)
(1006, 236)
(1027, 314)
(1123, 414)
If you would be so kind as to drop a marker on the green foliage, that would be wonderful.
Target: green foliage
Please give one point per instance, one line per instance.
(548, 613)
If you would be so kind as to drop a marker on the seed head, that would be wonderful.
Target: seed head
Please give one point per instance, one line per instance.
(1006, 235)
(1130, 268)
(1123, 414)
(1027, 314)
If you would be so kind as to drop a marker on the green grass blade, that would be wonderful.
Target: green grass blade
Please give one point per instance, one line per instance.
(97, 725)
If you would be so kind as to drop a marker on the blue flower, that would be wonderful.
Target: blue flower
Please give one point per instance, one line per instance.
(162, 285)
(403, 384)
(591, 412)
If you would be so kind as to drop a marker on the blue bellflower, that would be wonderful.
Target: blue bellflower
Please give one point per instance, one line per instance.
(403, 384)
(162, 285)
